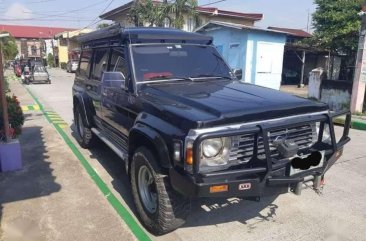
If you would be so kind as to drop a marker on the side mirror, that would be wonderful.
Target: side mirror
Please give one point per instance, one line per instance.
(238, 73)
(113, 79)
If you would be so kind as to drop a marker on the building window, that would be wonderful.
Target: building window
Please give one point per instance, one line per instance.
(63, 42)
(167, 23)
(34, 50)
(190, 24)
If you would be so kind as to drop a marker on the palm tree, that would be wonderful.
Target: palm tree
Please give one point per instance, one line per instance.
(158, 14)
(180, 7)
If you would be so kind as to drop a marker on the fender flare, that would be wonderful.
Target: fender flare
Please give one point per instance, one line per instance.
(155, 138)
(83, 103)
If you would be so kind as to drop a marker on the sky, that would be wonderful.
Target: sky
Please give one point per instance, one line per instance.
(83, 13)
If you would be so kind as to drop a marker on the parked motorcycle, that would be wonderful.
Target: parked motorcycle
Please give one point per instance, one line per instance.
(26, 75)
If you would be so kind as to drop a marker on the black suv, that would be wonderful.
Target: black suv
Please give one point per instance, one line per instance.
(167, 103)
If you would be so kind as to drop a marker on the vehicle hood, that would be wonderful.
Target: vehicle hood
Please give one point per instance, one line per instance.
(218, 102)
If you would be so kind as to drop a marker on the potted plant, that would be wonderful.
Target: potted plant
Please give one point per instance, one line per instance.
(10, 154)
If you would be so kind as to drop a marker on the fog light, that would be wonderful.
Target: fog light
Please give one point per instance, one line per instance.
(219, 188)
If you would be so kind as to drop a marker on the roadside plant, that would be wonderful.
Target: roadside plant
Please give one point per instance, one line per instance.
(16, 118)
(50, 60)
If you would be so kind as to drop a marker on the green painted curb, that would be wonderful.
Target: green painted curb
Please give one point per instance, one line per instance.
(139, 233)
(356, 123)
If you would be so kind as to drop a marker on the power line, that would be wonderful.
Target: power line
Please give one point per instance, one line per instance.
(43, 19)
(207, 4)
(97, 21)
(72, 10)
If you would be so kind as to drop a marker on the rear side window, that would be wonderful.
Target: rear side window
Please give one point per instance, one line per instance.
(84, 68)
(118, 62)
(100, 63)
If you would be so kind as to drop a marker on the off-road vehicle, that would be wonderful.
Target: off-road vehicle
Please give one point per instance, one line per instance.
(167, 103)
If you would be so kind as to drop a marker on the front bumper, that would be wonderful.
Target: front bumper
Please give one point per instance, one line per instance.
(273, 178)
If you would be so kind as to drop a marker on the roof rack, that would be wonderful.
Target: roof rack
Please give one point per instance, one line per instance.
(108, 32)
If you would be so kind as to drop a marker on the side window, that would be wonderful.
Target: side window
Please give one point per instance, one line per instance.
(84, 67)
(118, 62)
(100, 63)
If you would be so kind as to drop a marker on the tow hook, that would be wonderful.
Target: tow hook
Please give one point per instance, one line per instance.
(317, 184)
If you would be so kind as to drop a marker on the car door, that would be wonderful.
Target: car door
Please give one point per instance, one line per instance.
(117, 107)
(98, 64)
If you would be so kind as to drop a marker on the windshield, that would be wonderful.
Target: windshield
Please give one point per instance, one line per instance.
(177, 61)
(39, 69)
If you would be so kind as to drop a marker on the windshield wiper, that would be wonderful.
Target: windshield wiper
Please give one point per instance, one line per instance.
(202, 76)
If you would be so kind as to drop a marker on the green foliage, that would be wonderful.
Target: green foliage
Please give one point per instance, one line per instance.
(102, 25)
(6, 85)
(50, 60)
(337, 25)
(63, 65)
(151, 13)
(16, 117)
(10, 49)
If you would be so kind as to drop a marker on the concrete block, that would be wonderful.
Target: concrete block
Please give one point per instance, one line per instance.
(10, 156)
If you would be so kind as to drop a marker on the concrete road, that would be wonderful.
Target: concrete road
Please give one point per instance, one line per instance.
(338, 213)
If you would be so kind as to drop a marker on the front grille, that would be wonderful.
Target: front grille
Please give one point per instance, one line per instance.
(242, 147)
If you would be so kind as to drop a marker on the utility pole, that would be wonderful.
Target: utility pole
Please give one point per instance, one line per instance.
(4, 103)
(303, 58)
(359, 82)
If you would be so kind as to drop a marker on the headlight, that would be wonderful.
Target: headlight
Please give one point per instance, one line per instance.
(326, 133)
(212, 147)
(215, 154)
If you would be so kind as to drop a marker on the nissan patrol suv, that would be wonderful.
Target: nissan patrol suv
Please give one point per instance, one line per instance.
(167, 103)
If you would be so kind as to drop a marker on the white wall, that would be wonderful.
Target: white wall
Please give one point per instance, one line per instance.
(264, 59)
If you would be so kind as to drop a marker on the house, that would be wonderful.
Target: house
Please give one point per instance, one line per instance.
(257, 52)
(300, 60)
(206, 14)
(67, 46)
(293, 35)
(32, 41)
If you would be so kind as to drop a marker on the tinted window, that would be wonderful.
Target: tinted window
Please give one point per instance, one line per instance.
(100, 62)
(85, 63)
(118, 62)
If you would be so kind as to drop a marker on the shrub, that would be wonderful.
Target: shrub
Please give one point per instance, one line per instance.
(63, 65)
(16, 117)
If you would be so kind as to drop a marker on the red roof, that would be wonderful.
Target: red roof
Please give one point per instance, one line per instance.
(293, 32)
(18, 31)
(253, 16)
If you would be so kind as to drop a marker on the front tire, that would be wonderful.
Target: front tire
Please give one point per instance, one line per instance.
(85, 136)
(161, 209)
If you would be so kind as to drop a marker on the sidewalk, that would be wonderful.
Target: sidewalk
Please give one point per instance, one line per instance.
(52, 197)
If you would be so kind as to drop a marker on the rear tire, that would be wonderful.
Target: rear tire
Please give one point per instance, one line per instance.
(85, 136)
(161, 209)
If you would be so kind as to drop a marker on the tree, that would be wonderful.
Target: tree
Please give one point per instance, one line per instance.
(10, 49)
(179, 8)
(148, 12)
(102, 25)
(151, 13)
(50, 60)
(337, 25)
